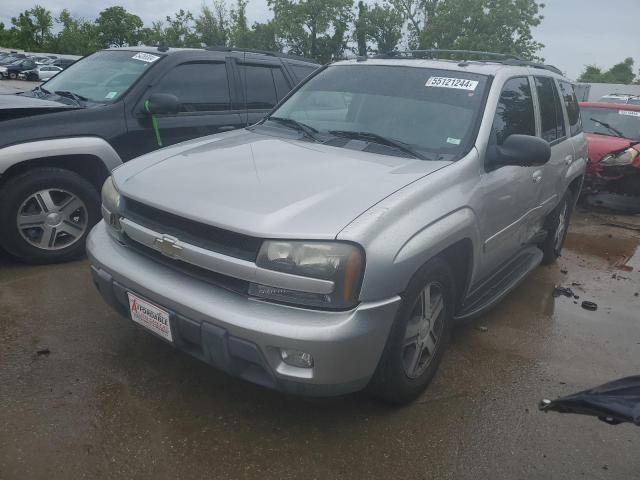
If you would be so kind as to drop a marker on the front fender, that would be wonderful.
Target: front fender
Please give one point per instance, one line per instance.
(96, 146)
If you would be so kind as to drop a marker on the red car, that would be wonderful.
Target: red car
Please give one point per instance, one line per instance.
(613, 135)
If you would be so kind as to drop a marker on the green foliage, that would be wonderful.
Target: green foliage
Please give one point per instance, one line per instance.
(620, 73)
(313, 28)
(383, 27)
(212, 26)
(502, 26)
(118, 28)
(77, 37)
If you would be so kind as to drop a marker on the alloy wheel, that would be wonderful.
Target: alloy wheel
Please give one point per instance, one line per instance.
(424, 331)
(52, 219)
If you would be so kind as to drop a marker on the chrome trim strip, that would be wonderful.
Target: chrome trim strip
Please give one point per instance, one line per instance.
(233, 267)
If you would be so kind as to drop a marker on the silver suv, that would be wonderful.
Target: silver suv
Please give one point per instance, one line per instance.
(334, 245)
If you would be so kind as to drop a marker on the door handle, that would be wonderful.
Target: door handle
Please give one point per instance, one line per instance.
(568, 159)
(537, 176)
(226, 128)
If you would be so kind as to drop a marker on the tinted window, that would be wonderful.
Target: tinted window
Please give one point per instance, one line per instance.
(260, 88)
(550, 109)
(302, 71)
(571, 104)
(282, 86)
(199, 86)
(514, 113)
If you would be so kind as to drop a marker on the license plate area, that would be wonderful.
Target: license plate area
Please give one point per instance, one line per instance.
(150, 316)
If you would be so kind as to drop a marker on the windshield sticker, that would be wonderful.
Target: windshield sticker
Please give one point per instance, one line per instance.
(448, 82)
(631, 113)
(145, 57)
(110, 95)
(454, 141)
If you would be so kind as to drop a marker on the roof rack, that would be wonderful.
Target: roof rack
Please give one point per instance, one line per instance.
(260, 52)
(477, 56)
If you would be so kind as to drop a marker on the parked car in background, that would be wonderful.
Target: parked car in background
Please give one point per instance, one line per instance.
(62, 62)
(14, 57)
(621, 98)
(60, 141)
(613, 135)
(13, 69)
(334, 245)
(41, 73)
(41, 60)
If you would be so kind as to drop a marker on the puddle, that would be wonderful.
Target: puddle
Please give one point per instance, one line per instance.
(623, 253)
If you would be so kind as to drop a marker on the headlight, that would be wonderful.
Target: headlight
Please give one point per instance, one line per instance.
(110, 203)
(622, 158)
(339, 262)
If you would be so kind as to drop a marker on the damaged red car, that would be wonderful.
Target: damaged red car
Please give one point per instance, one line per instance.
(613, 135)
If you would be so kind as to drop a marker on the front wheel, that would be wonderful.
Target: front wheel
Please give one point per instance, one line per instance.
(13, 75)
(557, 225)
(419, 336)
(46, 215)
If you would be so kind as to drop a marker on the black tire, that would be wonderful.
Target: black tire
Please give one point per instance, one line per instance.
(391, 382)
(13, 75)
(17, 190)
(552, 245)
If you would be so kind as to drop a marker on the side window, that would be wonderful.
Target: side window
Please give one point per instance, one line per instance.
(550, 109)
(259, 85)
(200, 87)
(302, 71)
(573, 109)
(282, 86)
(514, 113)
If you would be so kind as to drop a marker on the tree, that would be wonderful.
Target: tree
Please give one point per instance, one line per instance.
(212, 25)
(620, 73)
(384, 27)
(360, 28)
(313, 28)
(239, 32)
(502, 26)
(24, 31)
(42, 21)
(118, 28)
(181, 30)
(77, 36)
(263, 37)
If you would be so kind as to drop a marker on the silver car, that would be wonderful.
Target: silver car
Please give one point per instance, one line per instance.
(334, 245)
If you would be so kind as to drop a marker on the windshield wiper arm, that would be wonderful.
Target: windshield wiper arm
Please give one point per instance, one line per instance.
(374, 137)
(608, 127)
(39, 88)
(71, 95)
(308, 131)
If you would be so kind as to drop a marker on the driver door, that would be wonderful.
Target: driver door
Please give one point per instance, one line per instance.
(510, 193)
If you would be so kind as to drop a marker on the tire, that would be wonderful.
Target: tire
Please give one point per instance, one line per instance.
(43, 201)
(13, 75)
(557, 225)
(394, 381)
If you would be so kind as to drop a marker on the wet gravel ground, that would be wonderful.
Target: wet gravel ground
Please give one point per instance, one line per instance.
(105, 400)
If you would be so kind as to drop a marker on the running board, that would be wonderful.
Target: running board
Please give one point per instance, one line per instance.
(492, 290)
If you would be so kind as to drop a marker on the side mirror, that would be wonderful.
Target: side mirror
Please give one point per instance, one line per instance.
(162, 103)
(520, 151)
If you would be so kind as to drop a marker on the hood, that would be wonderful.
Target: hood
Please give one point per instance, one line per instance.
(601, 145)
(16, 106)
(267, 186)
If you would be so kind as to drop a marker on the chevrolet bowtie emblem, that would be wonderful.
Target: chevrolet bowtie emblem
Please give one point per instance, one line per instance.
(168, 246)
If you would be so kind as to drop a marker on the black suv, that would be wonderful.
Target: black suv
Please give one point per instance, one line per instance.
(13, 69)
(60, 141)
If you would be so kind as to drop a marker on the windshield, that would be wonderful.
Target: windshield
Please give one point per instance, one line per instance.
(104, 76)
(627, 122)
(432, 112)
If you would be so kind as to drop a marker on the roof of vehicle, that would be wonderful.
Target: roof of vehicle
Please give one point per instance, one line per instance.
(160, 50)
(611, 106)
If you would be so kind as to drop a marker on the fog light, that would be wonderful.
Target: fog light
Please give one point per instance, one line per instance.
(296, 358)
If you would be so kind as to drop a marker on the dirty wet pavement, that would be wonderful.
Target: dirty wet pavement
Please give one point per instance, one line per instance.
(85, 394)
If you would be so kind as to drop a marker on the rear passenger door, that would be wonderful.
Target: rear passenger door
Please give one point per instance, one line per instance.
(554, 131)
(261, 86)
(204, 93)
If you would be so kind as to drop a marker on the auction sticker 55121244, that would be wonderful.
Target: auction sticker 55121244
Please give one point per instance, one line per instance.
(449, 82)
(150, 316)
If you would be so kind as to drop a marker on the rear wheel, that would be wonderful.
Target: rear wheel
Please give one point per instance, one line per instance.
(419, 335)
(46, 214)
(557, 225)
(13, 75)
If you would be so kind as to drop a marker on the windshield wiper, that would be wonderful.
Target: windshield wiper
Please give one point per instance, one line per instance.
(617, 132)
(39, 89)
(306, 130)
(374, 137)
(74, 96)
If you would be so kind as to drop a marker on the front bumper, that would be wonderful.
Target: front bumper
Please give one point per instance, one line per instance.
(243, 336)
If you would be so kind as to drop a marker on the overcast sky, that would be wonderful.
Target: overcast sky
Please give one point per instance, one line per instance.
(575, 32)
